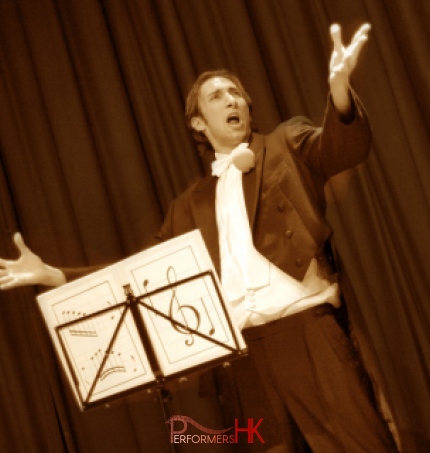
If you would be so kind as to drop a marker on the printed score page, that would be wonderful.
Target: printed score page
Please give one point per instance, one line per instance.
(198, 305)
(89, 311)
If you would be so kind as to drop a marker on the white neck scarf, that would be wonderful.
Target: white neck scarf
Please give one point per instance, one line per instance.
(242, 267)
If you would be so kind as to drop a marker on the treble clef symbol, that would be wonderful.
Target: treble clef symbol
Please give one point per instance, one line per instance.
(181, 309)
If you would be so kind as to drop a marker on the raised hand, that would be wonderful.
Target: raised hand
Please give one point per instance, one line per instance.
(28, 269)
(342, 63)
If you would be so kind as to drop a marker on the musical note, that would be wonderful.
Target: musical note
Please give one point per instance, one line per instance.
(134, 362)
(85, 328)
(181, 309)
(145, 289)
(113, 364)
(82, 329)
(212, 329)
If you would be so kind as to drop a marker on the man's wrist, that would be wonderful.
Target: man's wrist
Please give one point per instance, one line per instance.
(343, 104)
(54, 277)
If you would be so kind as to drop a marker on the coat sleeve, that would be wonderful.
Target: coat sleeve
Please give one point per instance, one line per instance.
(73, 273)
(338, 145)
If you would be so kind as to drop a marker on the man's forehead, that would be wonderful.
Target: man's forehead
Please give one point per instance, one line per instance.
(216, 83)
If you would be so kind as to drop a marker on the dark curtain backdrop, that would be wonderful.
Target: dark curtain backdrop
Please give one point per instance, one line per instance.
(93, 147)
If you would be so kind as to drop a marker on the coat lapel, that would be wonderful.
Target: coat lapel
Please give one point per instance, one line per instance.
(252, 180)
(203, 211)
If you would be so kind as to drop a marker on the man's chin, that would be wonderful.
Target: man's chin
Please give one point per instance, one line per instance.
(240, 134)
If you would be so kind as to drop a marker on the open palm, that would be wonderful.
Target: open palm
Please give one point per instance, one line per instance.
(28, 269)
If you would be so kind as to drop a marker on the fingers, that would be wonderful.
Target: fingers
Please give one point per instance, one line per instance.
(361, 33)
(358, 39)
(357, 43)
(19, 242)
(6, 279)
(7, 282)
(22, 248)
(336, 37)
(345, 58)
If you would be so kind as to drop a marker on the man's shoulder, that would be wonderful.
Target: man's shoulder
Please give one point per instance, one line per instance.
(289, 132)
(294, 124)
(197, 185)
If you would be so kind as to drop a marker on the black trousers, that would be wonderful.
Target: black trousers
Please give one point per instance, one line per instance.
(304, 379)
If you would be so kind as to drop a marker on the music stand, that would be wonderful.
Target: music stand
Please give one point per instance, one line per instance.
(154, 333)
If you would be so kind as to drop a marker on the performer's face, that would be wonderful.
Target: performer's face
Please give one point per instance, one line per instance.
(224, 114)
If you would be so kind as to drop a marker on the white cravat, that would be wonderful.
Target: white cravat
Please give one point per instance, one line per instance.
(242, 268)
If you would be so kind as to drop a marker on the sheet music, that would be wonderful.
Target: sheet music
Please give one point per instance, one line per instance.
(194, 304)
(96, 336)
(85, 339)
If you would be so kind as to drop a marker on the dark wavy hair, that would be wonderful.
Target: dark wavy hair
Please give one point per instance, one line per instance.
(192, 107)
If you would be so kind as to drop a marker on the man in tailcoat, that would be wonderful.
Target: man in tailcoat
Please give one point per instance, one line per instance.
(261, 215)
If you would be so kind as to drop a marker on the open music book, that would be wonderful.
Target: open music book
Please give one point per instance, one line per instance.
(154, 316)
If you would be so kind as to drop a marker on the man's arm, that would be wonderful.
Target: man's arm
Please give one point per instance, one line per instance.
(345, 138)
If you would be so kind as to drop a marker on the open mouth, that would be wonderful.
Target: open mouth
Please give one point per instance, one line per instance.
(233, 119)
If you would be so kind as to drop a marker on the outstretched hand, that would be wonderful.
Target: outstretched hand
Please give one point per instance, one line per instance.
(343, 62)
(28, 269)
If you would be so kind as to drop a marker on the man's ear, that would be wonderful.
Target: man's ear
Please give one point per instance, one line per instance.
(197, 123)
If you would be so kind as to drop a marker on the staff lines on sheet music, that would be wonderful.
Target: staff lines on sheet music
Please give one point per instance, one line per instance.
(200, 296)
(185, 264)
(123, 361)
(148, 279)
(155, 274)
(91, 336)
(97, 297)
(209, 320)
(179, 265)
(88, 359)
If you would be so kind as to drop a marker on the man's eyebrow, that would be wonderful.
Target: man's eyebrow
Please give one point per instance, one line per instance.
(228, 89)
(214, 92)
